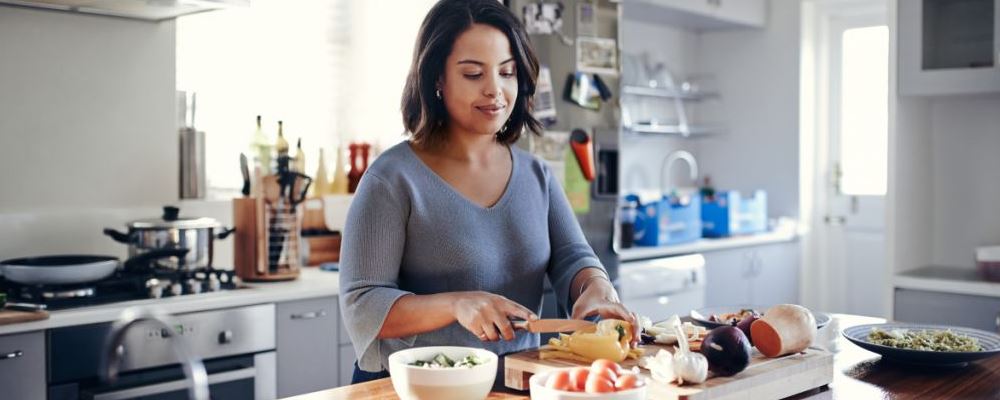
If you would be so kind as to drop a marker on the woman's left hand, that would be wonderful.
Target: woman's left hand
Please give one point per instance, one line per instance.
(600, 298)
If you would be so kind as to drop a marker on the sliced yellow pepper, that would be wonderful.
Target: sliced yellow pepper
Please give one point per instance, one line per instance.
(609, 339)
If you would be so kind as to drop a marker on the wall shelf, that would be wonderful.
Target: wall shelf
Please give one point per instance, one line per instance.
(667, 129)
(667, 93)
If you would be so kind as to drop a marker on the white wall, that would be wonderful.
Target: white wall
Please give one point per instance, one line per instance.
(87, 131)
(757, 73)
(965, 165)
(677, 49)
(86, 111)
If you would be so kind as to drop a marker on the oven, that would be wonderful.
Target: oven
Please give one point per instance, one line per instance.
(237, 346)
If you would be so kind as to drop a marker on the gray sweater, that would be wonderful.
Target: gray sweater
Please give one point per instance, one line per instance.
(409, 231)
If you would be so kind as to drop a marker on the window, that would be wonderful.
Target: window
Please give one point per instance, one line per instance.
(332, 70)
(864, 105)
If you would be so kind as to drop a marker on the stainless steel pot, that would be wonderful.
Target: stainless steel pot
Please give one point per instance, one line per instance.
(173, 232)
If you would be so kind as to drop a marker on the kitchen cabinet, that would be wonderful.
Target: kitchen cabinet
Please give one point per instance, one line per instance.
(347, 359)
(758, 275)
(22, 366)
(308, 346)
(346, 356)
(712, 14)
(949, 47)
(929, 307)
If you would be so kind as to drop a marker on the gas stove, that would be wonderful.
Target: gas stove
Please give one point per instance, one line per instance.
(123, 286)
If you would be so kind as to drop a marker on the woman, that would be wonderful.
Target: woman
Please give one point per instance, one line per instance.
(452, 233)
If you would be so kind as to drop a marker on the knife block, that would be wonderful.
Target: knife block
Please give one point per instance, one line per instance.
(266, 246)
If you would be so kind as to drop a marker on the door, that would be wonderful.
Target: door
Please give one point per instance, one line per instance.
(853, 245)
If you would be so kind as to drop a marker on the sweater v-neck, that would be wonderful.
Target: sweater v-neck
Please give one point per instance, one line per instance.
(447, 187)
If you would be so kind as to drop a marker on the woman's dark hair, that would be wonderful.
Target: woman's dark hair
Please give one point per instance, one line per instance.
(423, 113)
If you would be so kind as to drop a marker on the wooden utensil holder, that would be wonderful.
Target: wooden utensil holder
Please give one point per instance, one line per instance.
(267, 240)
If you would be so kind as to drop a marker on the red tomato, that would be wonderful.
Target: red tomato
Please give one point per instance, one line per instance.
(607, 364)
(628, 381)
(559, 381)
(599, 384)
(578, 378)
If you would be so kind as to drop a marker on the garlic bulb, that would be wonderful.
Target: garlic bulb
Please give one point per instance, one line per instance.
(660, 366)
(688, 366)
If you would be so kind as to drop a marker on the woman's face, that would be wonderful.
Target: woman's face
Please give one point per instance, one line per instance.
(479, 85)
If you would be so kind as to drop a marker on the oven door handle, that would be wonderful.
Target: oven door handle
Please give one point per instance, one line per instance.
(181, 384)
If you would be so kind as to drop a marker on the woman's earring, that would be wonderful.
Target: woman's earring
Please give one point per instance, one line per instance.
(437, 93)
(503, 129)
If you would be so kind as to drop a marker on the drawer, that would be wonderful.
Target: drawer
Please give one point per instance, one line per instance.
(22, 366)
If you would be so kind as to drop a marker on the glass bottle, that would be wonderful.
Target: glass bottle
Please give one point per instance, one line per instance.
(261, 149)
(339, 184)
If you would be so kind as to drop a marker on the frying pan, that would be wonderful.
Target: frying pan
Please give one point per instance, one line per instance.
(72, 269)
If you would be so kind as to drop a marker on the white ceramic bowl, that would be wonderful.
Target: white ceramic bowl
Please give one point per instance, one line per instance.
(418, 383)
(540, 392)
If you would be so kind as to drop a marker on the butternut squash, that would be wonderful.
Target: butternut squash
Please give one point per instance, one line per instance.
(784, 329)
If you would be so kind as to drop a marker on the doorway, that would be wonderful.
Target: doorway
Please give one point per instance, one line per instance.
(846, 261)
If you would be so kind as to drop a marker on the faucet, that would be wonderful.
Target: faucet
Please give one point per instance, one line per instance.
(194, 369)
(668, 162)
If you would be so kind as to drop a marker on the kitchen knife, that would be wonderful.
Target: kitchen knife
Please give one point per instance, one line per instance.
(25, 306)
(245, 170)
(552, 325)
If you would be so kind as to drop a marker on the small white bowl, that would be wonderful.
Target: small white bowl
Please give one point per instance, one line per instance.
(540, 392)
(419, 383)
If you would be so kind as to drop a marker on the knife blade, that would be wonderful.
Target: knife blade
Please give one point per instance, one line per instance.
(245, 170)
(25, 306)
(552, 325)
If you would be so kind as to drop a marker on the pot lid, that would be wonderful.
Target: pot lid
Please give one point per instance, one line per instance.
(171, 220)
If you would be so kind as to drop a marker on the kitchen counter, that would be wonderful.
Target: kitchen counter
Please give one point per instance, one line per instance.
(312, 283)
(785, 232)
(858, 374)
(947, 279)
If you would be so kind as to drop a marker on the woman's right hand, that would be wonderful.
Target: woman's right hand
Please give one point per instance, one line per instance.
(488, 315)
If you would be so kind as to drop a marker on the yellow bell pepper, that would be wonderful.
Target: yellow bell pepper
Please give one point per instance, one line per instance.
(609, 339)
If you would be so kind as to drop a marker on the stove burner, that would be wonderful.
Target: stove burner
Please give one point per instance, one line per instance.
(124, 286)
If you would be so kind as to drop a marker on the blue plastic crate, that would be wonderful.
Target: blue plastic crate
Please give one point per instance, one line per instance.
(728, 213)
(753, 213)
(665, 222)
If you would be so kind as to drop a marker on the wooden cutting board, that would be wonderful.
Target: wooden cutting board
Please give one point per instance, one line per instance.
(14, 316)
(764, 378)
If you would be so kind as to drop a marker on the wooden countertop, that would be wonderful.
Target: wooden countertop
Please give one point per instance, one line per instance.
(858, 374)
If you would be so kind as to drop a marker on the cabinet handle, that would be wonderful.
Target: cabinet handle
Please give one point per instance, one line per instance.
(13, 354)
(998, 322)
(310, 315)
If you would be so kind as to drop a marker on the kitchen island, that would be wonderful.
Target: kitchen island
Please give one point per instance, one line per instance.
(858, 374)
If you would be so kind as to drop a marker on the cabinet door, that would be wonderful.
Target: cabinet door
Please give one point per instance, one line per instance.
(776, 274)
(926, 307)
(307, 346)
(948, 47)
(715, 14)
(22, 366)
(728, 279)
(347, 359)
